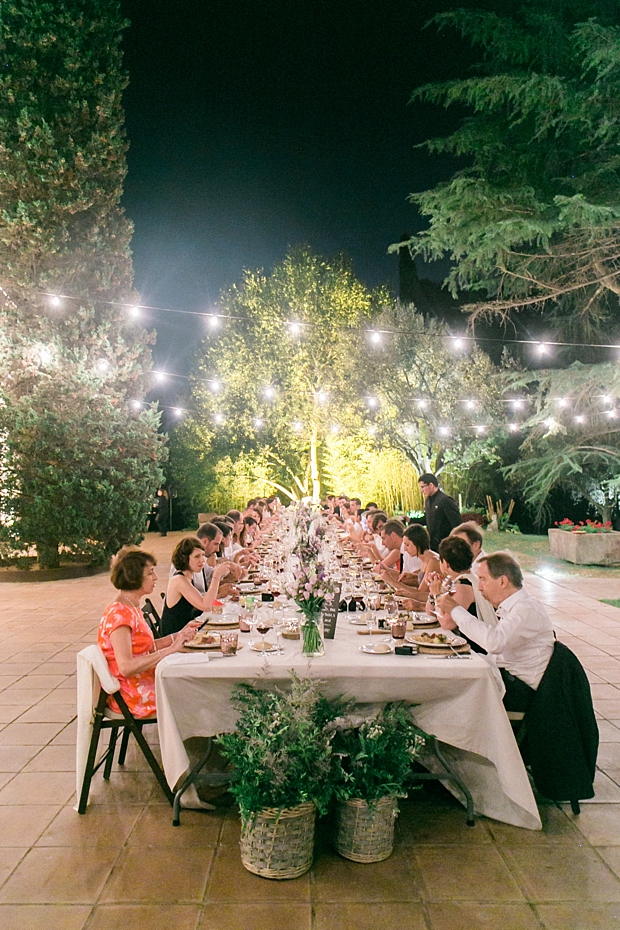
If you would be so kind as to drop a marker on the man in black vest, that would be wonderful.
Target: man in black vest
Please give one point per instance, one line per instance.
(442, 512)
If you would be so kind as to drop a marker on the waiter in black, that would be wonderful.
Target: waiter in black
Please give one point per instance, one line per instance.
(442, 512)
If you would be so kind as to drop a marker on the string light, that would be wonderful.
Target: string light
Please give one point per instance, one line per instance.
(480, 429)
(219, 419)
(45, 354)
(215, 386)
(444, 430)
(517, 403)
(269, 392)
(611, 414)
(160, 377)
(513, 427)
(580, 419)
(408, 431)
(606, 399)
(542, 348)
(136, 404)
(322, 397)
(334, 429)
(549, 423)
(103, 365)
(134, 312)
(562, 402)
(374, 336)
(213, 320)
(55, 301)
(372, 430)
(372, 402)
(470, 404)
(422, 404)
(457, 343)
(258, 423)
(297, 426)
(178, 412)
(295, 329)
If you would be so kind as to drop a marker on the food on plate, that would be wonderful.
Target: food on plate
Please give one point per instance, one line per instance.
(205, 638)
(435, 639)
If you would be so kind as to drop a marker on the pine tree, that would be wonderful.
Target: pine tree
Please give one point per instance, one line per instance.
(63, 231)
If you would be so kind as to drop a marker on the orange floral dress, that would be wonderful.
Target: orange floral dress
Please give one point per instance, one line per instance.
(139, 690)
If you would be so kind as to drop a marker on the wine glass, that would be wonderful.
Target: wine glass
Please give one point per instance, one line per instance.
(347, 593)
(263, 627)
(278, 623)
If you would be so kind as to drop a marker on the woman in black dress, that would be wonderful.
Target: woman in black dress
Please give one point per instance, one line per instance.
(184, 601)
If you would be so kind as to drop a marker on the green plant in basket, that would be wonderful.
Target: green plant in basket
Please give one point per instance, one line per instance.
(281, 749)
(375, 755)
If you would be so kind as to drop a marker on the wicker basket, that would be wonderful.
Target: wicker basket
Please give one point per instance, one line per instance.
(363, 833)
(279, 843)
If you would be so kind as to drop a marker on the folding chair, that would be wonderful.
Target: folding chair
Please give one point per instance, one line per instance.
(149, 612)
(95, 683)
(448, 774)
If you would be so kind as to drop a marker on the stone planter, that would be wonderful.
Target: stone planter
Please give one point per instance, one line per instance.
(585, 548)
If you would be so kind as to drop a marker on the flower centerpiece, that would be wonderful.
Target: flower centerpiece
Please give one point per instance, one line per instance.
(282, 755)
(375, 756)
(309, 588)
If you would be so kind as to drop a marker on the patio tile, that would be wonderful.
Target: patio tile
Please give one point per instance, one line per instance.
(165, 876)
(40, 681)
(262, 917)
(557, 829)
(608, 755)
(39, 788)
(22, 824)
(22, 696)
(29, 734)
(582, 877)
(41, 917)
(10, 712)
(154, 828)
(9, 858)
(420, 824)
(482, 917)
(579, 916)
(339, 880)
(395, 916)
(99, 826)
(49, 713)
(608, 732)
(137, 917)
(14, 758)
(59, 876)
(53, 759)
(230, 883)
(466, 873)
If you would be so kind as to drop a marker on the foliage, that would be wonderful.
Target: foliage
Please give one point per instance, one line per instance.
(590, 526)
(533, 219)
(440, 407)
(375, 755)
(78, 470)
(282, 391)
(281, 749)
(572, 436)
(63, 231)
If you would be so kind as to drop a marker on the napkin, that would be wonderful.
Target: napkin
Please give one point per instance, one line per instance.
(184, 658)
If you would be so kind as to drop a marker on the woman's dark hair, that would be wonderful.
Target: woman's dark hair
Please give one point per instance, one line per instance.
(418, 535)
(225, 527)
(457, 553)
(183, 550)
(378, 517)
(128, 568)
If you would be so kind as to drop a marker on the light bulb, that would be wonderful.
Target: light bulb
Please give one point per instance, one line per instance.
(372, 401)
(295, 329)
(219, 419)
(269, 392)
(517, 403)
(580, 419)
(213, 321)
(334, 429)
(103, 365)
(134, 312)
(480, 429)
(375, 337)
(159, 376)
(444, 430)
(562, 402)
(178, 412)
(470, 404)
(215, 386)
(606, 399)
(55, 301)
(297, 426)
(457, 343)
(422, 404)
(549, 423)
(321, 397)
(513, 427)
(258, 423)
(542, 348)
(611, 414)
(136, 404)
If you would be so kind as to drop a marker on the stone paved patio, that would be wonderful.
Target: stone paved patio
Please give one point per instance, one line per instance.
(123, 865)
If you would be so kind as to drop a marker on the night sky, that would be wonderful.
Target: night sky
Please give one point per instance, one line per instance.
(256, 126)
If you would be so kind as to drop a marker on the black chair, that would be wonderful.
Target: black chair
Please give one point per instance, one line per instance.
(558, 735)
(448, 774)
(149, 612)
(105, 719)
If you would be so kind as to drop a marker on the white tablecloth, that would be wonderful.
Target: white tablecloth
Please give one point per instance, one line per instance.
(458, 701)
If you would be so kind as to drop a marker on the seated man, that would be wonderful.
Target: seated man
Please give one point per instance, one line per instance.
(472, 535)
(522, 641)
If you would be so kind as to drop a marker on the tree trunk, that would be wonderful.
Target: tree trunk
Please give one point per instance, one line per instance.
(47, 555)
(314, 466)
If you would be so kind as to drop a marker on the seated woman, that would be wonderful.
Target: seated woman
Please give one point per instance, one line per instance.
(416, 544)
(126, 638)
(456, 558)
(183, 601)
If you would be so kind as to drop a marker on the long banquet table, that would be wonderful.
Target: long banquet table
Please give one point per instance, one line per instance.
(457, 700)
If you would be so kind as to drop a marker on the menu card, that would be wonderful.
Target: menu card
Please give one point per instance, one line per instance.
(330, 614)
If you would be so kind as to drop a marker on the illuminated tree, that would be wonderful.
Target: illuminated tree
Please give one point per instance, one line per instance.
(63, 231)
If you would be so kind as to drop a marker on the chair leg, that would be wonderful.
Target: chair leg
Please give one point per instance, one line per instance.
(110, 753)
(136, 729)
(457, 781)
(124, 743)
(92, 753)
(574, 806)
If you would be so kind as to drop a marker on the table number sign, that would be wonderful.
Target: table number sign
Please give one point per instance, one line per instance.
(330, 613)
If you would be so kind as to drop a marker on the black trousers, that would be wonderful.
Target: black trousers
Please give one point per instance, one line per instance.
(518, 695)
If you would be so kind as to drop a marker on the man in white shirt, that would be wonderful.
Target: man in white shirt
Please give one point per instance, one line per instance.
(522, 641)
(472, 535)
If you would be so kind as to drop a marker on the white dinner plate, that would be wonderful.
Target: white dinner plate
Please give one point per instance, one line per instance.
(454, 641)
(376, 649)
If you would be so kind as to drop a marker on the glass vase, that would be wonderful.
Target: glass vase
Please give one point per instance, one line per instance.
(312, 635)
